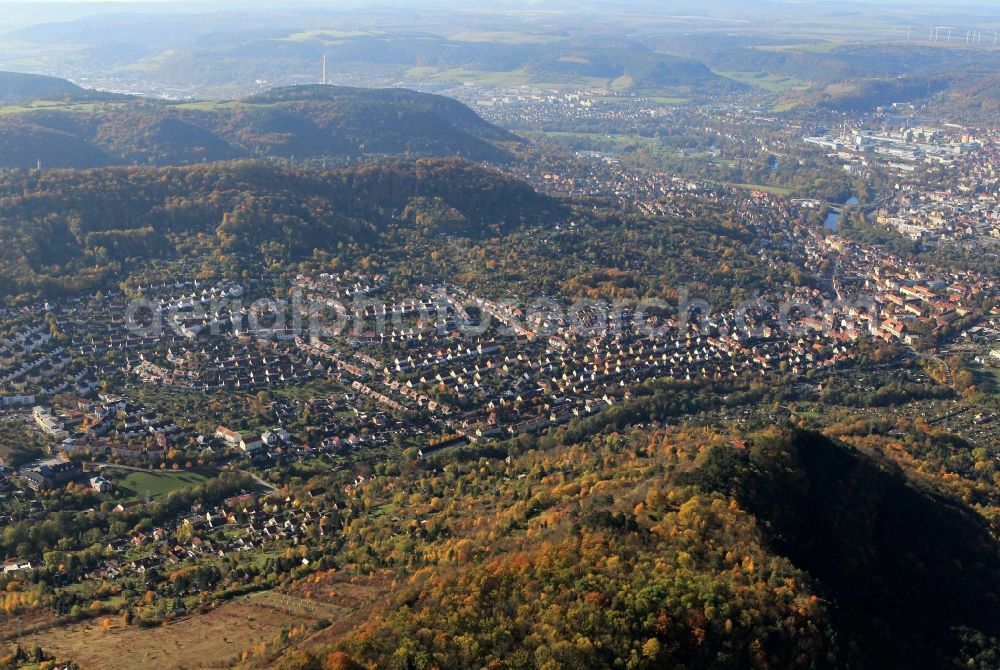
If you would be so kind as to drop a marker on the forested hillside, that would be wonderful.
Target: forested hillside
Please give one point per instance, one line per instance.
(17, 87)
(306, 122)
(673, 548)
(80, 230)
(913, 574)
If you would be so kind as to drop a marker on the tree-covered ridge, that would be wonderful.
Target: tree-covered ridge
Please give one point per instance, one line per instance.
(373, 99)
(675, 548)
(914, 575)
(686, 583)
(68, 230)
(298, 122)
(27, 144)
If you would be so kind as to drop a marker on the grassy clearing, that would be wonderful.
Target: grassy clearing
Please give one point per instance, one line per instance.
(776, 190)
(55, 105)
(614, 143)
(785, 106)
(211, 105)
(668, 100)
(987, 378)
(769, 82)
(619, 139)
(311, 389)
(157, 484)
(623, 82)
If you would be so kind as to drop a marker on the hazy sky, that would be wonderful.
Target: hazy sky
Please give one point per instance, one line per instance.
(19, 13)
(609, 4)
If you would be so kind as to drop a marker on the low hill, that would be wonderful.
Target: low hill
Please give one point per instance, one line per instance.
(301, 122)
(76, 230)
(219, 62)
(626, 66)
(864, 95)
(368, 98)
(826, 62)
(27, 145)
(973, 98)
(389, 120)
(16, 87)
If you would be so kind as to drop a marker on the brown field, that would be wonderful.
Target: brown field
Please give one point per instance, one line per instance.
(218, 638)
(348, 601)
(23, 623)
(211, 640)
(356, 599)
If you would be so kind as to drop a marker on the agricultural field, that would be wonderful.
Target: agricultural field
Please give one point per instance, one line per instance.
(328, 35)
(818, 46)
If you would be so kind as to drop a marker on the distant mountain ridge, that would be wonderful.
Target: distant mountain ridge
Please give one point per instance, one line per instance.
(215, 63)
(858, 77)
(303, 122)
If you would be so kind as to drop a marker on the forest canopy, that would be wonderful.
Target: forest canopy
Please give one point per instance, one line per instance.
(68, 231)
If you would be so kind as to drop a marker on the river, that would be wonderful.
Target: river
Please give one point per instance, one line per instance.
(833, 218)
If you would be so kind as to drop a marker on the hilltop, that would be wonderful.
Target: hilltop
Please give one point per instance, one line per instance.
(306, 122)
(16, 87)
